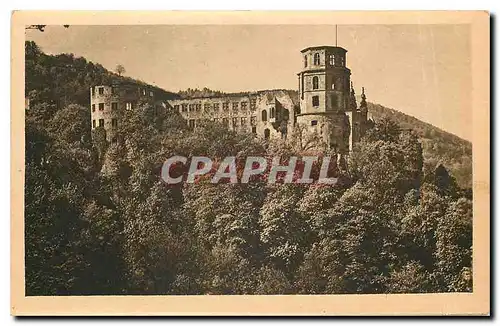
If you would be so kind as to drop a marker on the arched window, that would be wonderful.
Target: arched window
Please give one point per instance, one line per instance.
(316, 59)
(272, 113)
(264, 115)
(305, 61)
(315, 82)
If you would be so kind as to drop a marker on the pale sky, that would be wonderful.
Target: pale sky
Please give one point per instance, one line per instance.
(420, 70)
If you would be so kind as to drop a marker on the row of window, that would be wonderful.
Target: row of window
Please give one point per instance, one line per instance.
(315, 83)
(272, 114)
(100, 91)
(114, 123)
(332, 59)
(243, 121)
(185, 107)
(114, 106)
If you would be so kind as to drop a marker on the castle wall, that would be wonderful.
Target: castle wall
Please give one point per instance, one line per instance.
(258, 113)
(326, 104)
(106, 101)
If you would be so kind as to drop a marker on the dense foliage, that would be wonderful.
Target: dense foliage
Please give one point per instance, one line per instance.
(100, 221)
(64, 79)
(439, 147)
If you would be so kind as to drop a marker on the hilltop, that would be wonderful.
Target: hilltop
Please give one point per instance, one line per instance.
(65, 79)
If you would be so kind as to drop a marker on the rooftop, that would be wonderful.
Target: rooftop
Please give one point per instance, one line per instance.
(321, 47)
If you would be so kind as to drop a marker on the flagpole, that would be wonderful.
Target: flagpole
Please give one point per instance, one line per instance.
(336, 35)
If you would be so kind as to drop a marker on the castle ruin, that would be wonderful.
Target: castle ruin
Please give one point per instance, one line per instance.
(325, 105)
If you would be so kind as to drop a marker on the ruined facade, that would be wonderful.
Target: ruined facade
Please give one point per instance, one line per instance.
(266, 114)
(106, 101)
(325, 105)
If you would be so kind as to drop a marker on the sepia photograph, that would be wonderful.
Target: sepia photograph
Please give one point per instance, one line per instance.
(253, 159)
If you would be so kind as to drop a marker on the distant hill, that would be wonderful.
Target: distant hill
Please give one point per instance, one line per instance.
(438, 145)
(65, 79)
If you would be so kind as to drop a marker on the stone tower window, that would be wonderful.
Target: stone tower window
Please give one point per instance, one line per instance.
(114, 123)
(93, 107)
(305, 61)
(101, 90)
(93, 123)
(315, 101)
(101, 106)
(315, 82)
(101, 122)
(332, 60)
(266, 133)
(264, 115)
(114, 106)
(316, 59)
(272, 115)
(314, 122)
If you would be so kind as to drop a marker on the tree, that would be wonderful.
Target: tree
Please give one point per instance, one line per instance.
(120, 69)
(454, 246)
(284, 234)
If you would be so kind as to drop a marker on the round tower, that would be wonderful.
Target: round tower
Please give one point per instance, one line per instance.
(324, 94)
(104, 101)
(107, 101)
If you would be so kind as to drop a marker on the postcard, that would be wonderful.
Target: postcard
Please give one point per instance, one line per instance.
(250, 163)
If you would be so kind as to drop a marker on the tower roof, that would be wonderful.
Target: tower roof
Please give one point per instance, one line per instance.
(321, 47)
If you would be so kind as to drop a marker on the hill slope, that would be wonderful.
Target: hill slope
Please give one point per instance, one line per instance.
(65, 79)
(439, 146)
